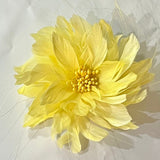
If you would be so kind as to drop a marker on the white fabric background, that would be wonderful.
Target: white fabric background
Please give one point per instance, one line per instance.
(19, 18)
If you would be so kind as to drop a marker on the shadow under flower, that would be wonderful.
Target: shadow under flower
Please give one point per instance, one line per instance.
(145, 115)
(43, 129)
(117, 139)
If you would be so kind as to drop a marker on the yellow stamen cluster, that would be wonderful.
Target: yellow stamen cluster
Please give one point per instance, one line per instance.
(84, 80)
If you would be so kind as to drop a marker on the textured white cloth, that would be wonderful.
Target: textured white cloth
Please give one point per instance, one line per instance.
(20, 18)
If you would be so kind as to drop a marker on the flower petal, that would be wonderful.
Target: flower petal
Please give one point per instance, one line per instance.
(106, 30)
(64, 139)
(91, 131)
(114, 100)
(115, 88)
(43, 45)
(33, 62)
(80, 25)
(136, 98)
(86, 57)
(128, 126)
(110, 70)
(51, 96)
(142, 68)
(116, 115)
(61, 122)
(76, 145)
(134, 94)
(32, 121)
(38, 113)
(40, 72)
(38, 69)
(33, 90)
(99, 121)
(113, 53)
(64, 28)
(99, 50)
(128, 49)
(90, 98)
(65, 53)
(75, 105)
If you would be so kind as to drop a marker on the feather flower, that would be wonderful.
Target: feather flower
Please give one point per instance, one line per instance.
(83, 77)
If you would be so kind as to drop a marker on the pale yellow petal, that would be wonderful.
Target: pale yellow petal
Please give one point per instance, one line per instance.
(76, 105)
(116, 115)
(91, 131)
(64, 27)
(64, 139)
(118, 37)
(86, 57)
(115, 88)
(56, 92)
(44, 33)
(119, 116)
(99, 121)
(43, 45)
(79, 109)
(61, 122)
(32, 121)
(112, 41)
(128, 126)
(76, 145)
(142, 70)
(106, 30)
(128, 49)
(114, 100)
(113, 52)
(40, 72)
(146, 78)
(65, 53)
(99, 50)
(143, 77)
(141, 66)
(38, 113)
(80, 25)
(32, 62)
(33, 90)
(130, 93)
(110, 70)
(90, 98)
(133, 99)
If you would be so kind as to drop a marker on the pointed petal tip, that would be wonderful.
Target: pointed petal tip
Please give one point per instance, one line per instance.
(33, 35)
(25, 124)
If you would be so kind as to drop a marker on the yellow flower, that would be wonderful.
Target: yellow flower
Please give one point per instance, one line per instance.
(83, 76)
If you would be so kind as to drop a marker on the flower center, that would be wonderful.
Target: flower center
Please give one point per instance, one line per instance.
(84, 80)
